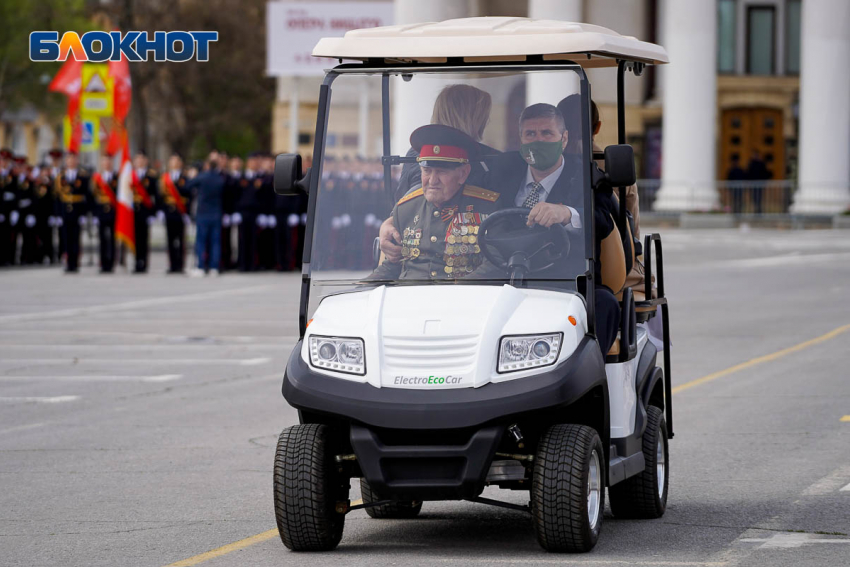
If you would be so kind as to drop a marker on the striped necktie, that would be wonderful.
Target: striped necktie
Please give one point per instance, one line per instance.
(533, 196)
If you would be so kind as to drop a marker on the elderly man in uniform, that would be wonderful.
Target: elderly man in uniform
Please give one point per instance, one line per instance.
(439, 221)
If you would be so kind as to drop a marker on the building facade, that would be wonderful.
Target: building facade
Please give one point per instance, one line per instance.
(763, 78)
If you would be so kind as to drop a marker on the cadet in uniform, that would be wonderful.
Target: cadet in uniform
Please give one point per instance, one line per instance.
(27, 212)
(72, 187)
(176, 200)
(8, 204)
(228, 207)
(104, 190)
(247, 209)
(44, 206)
(439, 221)
(144, 208)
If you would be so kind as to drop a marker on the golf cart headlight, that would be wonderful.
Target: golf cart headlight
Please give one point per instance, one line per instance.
(528, 351)
(338, 354)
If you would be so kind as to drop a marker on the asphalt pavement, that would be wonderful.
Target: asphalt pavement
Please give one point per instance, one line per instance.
(139, 416)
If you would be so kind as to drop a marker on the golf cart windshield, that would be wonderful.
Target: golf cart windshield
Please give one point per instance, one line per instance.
(459, 212)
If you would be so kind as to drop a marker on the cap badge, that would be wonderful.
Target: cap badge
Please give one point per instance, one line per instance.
(436, 150)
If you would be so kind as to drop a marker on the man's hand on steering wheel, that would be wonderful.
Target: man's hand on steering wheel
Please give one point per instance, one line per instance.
(547, 214)
(390, 241)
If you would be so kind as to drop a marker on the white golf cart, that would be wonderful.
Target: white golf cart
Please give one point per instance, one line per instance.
(439, 387)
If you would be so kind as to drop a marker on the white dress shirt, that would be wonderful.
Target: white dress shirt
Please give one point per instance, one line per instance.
(547, 184)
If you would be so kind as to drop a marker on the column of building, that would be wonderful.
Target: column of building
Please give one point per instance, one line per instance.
(824, 143)
(690, 108)
(413, 102)
(551, 87)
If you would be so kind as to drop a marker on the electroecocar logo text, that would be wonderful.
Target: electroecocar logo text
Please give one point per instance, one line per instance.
(426, 380)
(101, 46)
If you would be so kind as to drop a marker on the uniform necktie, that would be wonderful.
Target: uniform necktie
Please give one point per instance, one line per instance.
(534, 196)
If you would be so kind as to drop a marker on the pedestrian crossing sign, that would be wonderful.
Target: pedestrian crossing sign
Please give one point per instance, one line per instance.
(90, 138)
(97, 90)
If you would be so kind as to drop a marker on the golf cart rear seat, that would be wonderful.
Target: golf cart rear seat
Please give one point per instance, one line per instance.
(614, 264)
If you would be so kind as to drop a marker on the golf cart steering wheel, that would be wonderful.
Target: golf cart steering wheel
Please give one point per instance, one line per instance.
(522, 250)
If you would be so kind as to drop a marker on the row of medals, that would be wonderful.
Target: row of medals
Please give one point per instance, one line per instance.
(462, 243)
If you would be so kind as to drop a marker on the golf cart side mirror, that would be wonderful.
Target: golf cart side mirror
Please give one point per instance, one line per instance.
(620, 165)
(287, 175)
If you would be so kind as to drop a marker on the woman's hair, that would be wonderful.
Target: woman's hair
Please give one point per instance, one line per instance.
(463, 107)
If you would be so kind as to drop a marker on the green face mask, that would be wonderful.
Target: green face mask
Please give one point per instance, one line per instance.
(541, 155)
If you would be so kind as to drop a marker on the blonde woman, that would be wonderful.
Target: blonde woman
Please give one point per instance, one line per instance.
(464, 108)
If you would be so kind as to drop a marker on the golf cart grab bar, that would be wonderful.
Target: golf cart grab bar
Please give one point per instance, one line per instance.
(659, 261)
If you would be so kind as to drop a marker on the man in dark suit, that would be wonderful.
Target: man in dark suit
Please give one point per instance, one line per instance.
(550, 184)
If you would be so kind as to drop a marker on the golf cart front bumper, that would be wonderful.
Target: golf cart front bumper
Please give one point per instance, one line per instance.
(436, 444)
(456, 408)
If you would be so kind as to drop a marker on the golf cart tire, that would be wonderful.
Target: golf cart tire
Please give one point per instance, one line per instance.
(639, 496)
(559, 492)
(393, 510)
(306, 489)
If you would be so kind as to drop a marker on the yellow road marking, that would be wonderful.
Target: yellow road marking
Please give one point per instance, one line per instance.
(762, 359)
(225, 549)
(259, 538)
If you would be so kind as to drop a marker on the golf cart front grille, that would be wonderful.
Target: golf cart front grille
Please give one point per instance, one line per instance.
(421, 353)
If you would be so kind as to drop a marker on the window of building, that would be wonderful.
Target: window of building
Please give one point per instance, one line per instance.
(761, 41)
(726, 36)
(792, 37)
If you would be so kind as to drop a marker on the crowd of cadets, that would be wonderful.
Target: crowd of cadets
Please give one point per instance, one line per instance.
(352, 206)
(44, 210)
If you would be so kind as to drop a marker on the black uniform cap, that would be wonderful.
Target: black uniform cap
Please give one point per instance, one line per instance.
(443, 146)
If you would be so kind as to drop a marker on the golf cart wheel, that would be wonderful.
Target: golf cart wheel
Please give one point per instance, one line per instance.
(568, 488)
(645, 495)
(393, 510)
(307, 488)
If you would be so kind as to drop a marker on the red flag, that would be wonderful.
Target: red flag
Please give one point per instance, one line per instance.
(124, 223)
(122, 97)
(123, 88)
(68, 81)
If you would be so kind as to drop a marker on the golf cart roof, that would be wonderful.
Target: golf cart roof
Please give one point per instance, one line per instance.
(489, 39)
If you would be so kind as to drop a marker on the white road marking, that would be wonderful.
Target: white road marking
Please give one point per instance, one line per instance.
(163, 378)
(845, 489)
(255, 361)
(23, 427)
(92, 378)
(122, 361)
(39, 400)
(830, 483)
(789, 541)
(141, 303)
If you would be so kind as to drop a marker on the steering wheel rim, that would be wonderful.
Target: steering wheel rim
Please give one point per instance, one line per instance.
(559, 231)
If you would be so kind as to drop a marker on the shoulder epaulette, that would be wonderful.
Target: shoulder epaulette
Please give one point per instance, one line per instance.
(480, 193)
(412, 195)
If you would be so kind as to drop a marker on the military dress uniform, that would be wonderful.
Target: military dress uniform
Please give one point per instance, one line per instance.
(104, 190)
(8, 204)
(176, 201)
(44, 198)
(72, 188)
(439, 242)
(144, 209)
(248, 207)
(27, 220)
(228, 207)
